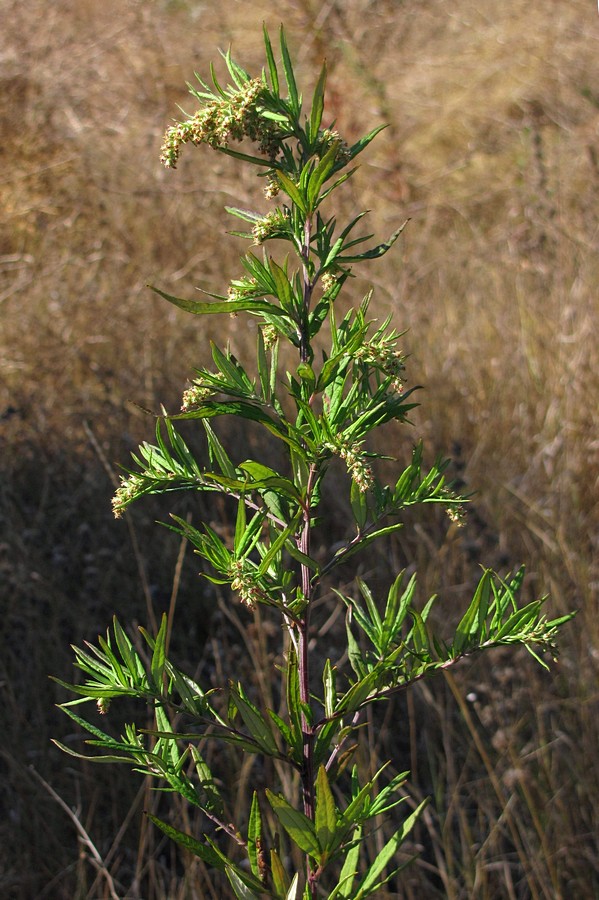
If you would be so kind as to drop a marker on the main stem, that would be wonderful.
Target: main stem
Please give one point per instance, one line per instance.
(307, 771)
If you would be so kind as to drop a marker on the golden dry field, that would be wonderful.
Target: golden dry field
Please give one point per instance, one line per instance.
(492, 151)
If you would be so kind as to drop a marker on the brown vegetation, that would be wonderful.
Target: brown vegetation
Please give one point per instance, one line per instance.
(492, 150)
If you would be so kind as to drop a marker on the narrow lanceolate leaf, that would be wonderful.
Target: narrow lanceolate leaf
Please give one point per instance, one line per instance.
(283, 287)
(240, 526)
(330, 691)
(254, 847)
(504, 596)
(87, 726)
(320, 174)
(318, 103)
(272, 66)
(263, 368)
(223, 305)
(217, 452)
(130, 657)
(246, 157)
(325, 818)
(203, 851)
(239, 75)
(298, 826)
(518, 621)
(293, 888)
(471, 627)
(294, 98)
(343, 890)
(254, 721)
(246, 214)
(241, 890)
(359, 505)
(360, 145)
(375, 252)
(280, 879)
(397, 607)
(159, 654)
(292, 191)
(374, 879)
(211, 798)
(375, 618)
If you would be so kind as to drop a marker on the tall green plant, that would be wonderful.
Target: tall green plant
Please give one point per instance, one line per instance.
(347, 381)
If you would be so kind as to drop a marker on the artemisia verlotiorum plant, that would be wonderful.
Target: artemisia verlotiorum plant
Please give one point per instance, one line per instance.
(347, 382)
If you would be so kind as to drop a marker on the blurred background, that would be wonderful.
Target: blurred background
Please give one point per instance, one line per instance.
(492, 151)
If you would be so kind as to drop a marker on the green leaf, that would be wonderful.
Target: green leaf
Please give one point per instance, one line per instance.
(287, 734)
(294, 98)
(318, 104)
(397, 608)
(320, 174)
(208, 791)
(372, 880)
(246, 214)
(104, 758)
(203, 851)
(325, 818)
(272, 66)
(329, 686)
(350, 549)
(265, 477)
(375, 252)
(239, 75)
(254, 721)
(292, 696)
(361, 145)
(159, 654)
(301, 558)
(358, 693)
(280, 879)
(359, 505)
(375, 617)
(240, 527)
(283, 288)
(241, 890)
(298, 826)
(292, 191)
(217, 451)
(356, 660)
(518, 621)
(504, 596)
(343, 890)
(293, 888)
(241, 879)
(472, 624)
(252, 304)
(128, 654)
(246, 157)
(263, 368)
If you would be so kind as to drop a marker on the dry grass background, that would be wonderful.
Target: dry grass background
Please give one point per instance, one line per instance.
(493, 151)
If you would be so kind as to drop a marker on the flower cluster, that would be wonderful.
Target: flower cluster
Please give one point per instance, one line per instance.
(129, 489)
(242, 288)
(223, 119)
(329, 137)
(243, 582)
(274, 224)
(328, 282)
(194, 396)
(270, 335)
(271, 189)
(380, 353)
(456, 515)
(355, 460)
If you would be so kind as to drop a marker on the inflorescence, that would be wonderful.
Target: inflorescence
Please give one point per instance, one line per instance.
(225, 119)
